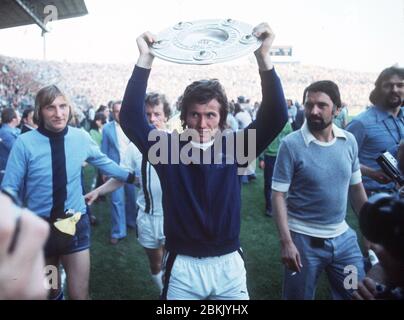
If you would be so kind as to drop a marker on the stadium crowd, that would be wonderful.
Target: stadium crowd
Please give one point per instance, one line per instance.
(91, 85)
(299, 119)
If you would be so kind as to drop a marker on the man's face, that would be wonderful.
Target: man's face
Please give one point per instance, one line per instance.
(106, 113)
(56, 115)
(205, 119)
(29, 120)
(392, 91)
(155, 116)
(16, 121)
(116, 108)
(318, 110)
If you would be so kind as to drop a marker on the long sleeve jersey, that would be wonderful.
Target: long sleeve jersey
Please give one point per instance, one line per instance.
(201, 202)
(45, 169)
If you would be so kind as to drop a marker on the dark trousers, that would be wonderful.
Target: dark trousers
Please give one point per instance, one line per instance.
(268, 172)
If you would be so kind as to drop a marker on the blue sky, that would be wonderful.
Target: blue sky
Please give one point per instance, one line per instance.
(364, 35)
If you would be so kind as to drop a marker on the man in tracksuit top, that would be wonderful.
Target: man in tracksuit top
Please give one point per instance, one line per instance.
(45, 169)
(201, 202)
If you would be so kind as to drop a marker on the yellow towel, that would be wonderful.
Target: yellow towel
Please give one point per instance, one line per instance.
(68, 225)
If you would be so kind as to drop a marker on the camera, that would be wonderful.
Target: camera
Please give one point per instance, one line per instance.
(381, 220)
(390, 166)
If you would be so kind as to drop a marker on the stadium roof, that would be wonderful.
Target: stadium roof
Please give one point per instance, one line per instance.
(14, 13)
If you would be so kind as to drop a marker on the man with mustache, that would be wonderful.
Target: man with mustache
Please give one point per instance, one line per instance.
(316, 167)
(380, 128)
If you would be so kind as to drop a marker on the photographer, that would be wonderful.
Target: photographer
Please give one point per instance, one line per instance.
(380, 128)
(382, 222)
(386, 279)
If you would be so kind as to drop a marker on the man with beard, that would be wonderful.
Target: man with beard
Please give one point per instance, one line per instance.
(316, 167)
(380, 128)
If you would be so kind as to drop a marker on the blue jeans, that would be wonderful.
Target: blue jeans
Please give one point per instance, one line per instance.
(123, 210)
(268, 173)
(332, 257)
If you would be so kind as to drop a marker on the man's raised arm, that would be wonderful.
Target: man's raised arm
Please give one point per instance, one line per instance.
(132, 115)
(272, 115)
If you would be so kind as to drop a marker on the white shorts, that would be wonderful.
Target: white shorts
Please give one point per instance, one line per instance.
(213, 278)
(150, 230)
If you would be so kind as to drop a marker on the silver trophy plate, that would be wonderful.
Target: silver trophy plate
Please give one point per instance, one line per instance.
(205, 42)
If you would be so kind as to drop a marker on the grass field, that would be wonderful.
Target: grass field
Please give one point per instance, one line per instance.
(121, 271)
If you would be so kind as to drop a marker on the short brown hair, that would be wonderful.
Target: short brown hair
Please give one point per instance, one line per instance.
(202, 92)
(154, 99)
(7, 115)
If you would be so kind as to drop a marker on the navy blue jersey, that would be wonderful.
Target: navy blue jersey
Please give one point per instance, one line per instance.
(202, 202)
